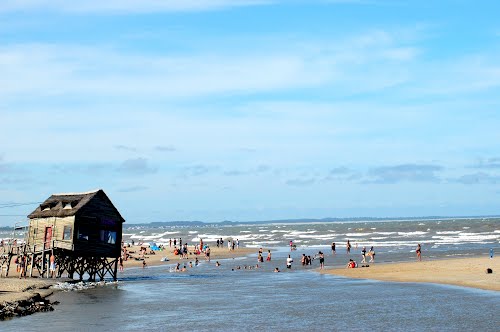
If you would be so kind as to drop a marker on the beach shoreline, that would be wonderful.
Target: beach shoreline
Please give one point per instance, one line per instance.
(216, 253)
(14, 290)
(463, 272)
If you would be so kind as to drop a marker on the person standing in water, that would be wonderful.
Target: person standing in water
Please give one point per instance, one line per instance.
(333, 248)
(321, 260)
(289, 261)
(419, 252)
(268, 255)
(348, 247)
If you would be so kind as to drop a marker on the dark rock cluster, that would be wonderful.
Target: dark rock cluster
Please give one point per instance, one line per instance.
(25, 307)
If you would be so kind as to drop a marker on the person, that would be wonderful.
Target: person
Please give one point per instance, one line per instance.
(268, 255)
(22, 266)
(196, 262)
(491, 253)
(52, 266)
(218, 243)
(237, 244)
(144, 265)
(333, 248)
(120, 262)
(303, 260)
(351, 265)
(207, 254)
(178, 267)
(217, 263)
(289, 261)
(348, 247)
(321, 260)
(276, 270)
(175, 242)
(419, 252)
(170, 242)
(363, 255)
(372, 255)
(291, 245)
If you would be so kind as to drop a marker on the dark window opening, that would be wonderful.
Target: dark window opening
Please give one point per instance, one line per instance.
(83, 233)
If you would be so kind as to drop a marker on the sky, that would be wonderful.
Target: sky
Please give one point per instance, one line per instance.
(251, 110)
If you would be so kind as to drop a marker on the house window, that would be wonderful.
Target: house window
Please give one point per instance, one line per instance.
(67, 233)
(83, 234)
(108, 236)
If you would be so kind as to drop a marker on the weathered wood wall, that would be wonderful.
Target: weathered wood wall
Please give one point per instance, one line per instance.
(37, 226)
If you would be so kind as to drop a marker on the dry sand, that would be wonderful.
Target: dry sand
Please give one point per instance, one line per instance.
(13, 289)
(467, 272)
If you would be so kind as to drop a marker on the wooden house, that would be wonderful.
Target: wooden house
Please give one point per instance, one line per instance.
(82, 230)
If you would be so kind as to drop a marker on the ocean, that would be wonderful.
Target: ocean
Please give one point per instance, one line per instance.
(210, 298)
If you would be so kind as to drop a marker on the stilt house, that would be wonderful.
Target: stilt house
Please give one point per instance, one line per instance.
(83, 230)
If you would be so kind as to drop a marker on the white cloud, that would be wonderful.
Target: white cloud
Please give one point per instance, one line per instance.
(44, 70)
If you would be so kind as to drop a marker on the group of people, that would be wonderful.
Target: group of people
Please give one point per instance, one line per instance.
(22, 265)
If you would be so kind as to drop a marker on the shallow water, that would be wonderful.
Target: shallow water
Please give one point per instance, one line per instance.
(209, 298)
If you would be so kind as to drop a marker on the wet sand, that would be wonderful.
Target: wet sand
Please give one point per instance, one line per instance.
(466, 272)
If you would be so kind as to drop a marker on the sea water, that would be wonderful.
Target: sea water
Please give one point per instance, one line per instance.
(210, 298)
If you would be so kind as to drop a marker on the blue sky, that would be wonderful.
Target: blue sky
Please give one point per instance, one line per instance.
(252, 110)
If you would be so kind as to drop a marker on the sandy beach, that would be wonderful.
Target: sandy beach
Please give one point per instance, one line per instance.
(467, 272)
(13, 289)
(156, 258)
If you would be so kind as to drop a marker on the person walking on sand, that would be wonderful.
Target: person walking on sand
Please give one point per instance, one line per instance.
(419, 252)
(363, 255)
(372, 255)
(52, 267)
(22, 266)
(120, 262)
(348, 247)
